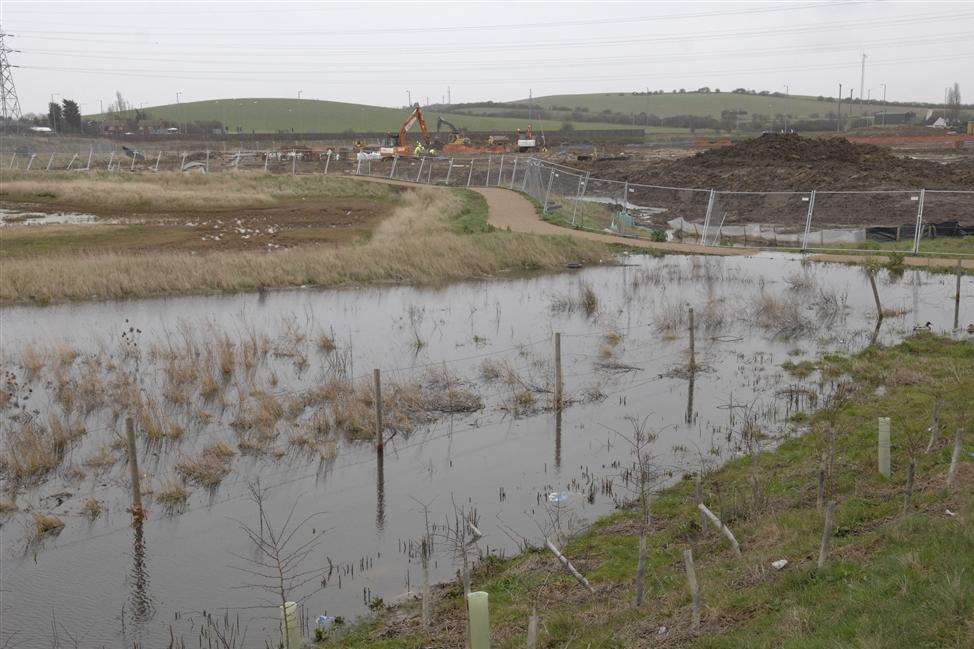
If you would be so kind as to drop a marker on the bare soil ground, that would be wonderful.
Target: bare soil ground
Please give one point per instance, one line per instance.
(794, 163)
(292, 223)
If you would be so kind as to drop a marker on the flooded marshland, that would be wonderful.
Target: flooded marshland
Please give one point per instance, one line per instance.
(276, 387)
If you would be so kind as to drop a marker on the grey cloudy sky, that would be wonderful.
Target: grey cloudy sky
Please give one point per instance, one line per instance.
(374, 52)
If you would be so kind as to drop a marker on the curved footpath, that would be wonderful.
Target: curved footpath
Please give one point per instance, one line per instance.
(509, 209)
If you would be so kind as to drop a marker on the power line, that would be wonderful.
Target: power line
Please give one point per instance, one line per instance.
(250, 76)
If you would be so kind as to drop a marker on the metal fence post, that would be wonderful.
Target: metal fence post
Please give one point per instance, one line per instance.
(490, 159)
(500, 171)
(267, 157)
(429, 171)
(422, 163)
(706, 220)
(134, 156)
(578, 197)
(919, 224)
(158, 157)
(470, 173)
(514, 172)
(12, 158)
(182, 162)
(327, 161)
(524, 183)
(294, 162)
(808, 220)
(50, 161)
(392, 172)
(31, 161)
(91, 152)
(111, 159)
(206, 166)
(449, 170)
(547, 194)
(71, 163)
(358, 167)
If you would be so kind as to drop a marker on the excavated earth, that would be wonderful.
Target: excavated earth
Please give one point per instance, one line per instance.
(788, 162)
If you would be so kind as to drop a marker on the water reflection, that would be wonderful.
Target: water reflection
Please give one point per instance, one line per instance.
(141, 606)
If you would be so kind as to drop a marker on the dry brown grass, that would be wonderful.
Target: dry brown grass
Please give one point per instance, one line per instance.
(172, 495)
(102, 459)
(46, 525)
(33, 450)
(168, 192)
(210, 467)
(414, 245)
(91, 509)
(7, 506)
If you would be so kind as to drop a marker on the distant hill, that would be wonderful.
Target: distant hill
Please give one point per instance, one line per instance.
(312, 115)
(711, 104)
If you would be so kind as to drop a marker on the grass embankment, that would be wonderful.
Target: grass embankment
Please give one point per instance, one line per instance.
(891, 580)
(433, 235)
(118, 194)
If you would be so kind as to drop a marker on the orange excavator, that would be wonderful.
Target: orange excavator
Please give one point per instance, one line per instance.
(397, 145)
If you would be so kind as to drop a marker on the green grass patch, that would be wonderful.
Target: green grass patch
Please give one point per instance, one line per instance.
(891, 580)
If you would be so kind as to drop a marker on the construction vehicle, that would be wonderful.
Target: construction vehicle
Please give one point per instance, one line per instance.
(527, 142)
(397, 145)
(461, 144)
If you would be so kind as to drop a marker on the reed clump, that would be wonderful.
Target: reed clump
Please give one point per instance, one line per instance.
(210, 467)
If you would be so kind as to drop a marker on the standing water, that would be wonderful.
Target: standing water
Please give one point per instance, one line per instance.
(283, 379)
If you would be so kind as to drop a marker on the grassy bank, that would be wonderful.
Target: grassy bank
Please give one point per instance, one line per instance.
(896, 576)
(112, 194)
(433, 235)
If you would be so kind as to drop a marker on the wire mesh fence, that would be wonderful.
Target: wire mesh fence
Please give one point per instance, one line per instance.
(916, 221)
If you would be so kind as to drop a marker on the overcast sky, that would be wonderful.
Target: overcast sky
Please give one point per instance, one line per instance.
(374, 52)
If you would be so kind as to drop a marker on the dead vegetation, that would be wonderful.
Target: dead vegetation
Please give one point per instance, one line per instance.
(210, 467)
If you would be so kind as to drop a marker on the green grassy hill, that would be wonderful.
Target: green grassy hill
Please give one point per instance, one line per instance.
(709, 103)
(311, 115)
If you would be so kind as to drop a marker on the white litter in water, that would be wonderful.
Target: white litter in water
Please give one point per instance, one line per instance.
(779, 564)
(557, 497)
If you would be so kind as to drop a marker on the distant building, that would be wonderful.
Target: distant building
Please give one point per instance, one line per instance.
(895, 118)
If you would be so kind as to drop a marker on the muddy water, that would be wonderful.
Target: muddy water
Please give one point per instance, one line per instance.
(104, 583)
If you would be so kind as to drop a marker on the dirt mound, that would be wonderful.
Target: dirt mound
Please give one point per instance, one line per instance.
(792, 163)
(790, 149)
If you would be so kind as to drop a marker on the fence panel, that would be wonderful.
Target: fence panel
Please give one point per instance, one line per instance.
(948, 222)
(864, 220)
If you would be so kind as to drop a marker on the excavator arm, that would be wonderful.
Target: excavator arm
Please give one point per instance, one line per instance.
(415, 116)
(440, 123)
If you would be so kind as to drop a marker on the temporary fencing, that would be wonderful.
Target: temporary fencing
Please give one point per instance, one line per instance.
(905, 220)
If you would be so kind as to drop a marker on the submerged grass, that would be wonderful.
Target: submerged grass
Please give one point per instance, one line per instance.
(891, 580)
(434, 235)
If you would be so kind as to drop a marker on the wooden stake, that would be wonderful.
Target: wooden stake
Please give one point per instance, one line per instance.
(698, 495)
(694, 589)
(723, 528)
(693, 358)
(879, 306)
(954, 460)
(884, 448)
(908, 495)
(934, 425)
(425, 562)
(823, 548)
(379, 442)
(957, 298)
(558, 383)
(641, 569)
(532, 642)
(569, 567)
(136, 510)
(820, 498)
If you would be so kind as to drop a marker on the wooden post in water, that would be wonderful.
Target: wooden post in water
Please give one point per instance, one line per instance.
(379, 443)
(693, 359)
(426, 598)
(136, 509)
(694, 589)
(957, 298)
(823, 548)
(879, 306)
(558, 383)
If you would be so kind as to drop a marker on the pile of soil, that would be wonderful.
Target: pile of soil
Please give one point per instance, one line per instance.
(790, 162)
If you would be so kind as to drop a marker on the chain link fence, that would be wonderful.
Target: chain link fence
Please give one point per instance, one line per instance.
(917, 221)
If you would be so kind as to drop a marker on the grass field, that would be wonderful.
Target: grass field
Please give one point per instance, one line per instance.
(897, 575)
(312, 115)
(696, 103)
(428, 236)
